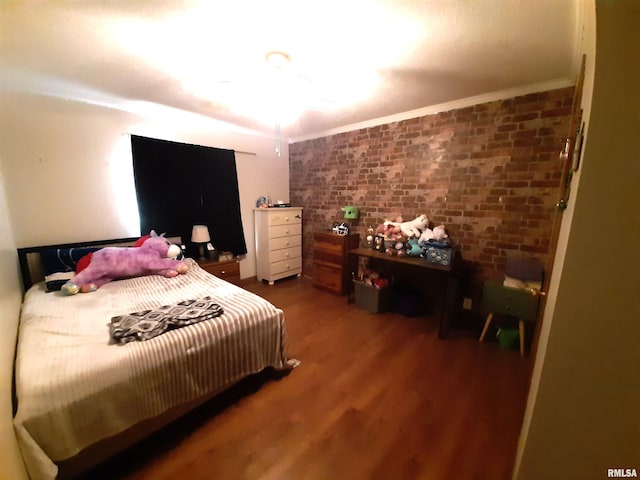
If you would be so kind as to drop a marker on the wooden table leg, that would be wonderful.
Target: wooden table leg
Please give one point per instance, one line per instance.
(486, 326)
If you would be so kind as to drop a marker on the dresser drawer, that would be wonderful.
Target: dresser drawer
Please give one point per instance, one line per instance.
(229, 271)
(329, 242)
(331, 268)
(290, 217)
(285, 230)
(293, 265)
(285, 254)
(497, 298)
(327, 278)
(334, 258)
(285, 242)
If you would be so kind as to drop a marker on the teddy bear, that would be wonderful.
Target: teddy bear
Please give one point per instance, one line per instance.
(390, 230)
(433, 237)
(411, 228)
(155, 256)
(425, 236)
(440, 233)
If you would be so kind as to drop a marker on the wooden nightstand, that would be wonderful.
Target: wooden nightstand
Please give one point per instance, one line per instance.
(228, 270)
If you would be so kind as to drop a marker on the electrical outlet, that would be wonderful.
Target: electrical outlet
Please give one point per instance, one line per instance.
(467, 303)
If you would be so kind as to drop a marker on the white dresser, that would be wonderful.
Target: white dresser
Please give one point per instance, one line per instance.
(278, 242)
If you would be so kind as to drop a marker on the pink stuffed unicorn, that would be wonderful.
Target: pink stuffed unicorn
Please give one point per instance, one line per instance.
(154, 257)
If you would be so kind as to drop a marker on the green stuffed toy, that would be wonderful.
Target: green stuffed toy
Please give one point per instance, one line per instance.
(413, 248)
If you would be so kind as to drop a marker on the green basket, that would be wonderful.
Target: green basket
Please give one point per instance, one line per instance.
(507, 337)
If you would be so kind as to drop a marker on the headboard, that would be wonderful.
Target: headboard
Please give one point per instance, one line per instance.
(31, 266)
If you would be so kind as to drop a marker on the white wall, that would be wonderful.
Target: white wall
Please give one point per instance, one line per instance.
(66, 176)
(11, 465)
(68, 167)
(583, 413)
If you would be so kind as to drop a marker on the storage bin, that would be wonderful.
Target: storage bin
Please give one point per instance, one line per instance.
(507, 337)
(372, 299)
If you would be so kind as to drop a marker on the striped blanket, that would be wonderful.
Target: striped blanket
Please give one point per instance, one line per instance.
(74, 388)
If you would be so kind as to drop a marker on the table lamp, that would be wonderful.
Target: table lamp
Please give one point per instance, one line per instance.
(200, 235)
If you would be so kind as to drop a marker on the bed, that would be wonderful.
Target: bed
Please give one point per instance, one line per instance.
(81, 397)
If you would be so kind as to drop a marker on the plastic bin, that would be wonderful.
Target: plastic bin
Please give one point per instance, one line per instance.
(507, 337)
(372, 299)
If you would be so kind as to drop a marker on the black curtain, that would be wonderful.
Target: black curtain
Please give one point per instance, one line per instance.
(179, 185)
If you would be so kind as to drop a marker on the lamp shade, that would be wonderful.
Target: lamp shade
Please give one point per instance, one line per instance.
(200, 234)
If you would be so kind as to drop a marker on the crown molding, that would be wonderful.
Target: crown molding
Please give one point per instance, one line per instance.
(442, 107)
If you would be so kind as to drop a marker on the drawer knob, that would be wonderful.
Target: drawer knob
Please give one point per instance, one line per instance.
(223, 272)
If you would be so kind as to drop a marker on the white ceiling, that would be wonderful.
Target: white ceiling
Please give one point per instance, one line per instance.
(351, 61)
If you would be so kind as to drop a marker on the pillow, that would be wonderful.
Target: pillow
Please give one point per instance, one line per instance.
(59, 264)
(56, 280)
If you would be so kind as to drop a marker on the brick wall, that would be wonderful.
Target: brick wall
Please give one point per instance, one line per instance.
(490, 173)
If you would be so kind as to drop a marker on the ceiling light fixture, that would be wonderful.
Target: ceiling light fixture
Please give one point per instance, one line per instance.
(277, 61)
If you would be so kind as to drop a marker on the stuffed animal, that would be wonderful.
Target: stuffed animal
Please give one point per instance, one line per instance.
(397, 247)
(153, 257)
(393, 232)
(413, 248)
(374, 279)
(390, 230)
(412, 228)
(426, 235)
(439, 233)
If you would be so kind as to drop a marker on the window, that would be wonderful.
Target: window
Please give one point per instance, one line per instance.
(179, 185)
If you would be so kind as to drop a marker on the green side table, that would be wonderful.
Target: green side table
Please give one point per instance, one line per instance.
(518, 302)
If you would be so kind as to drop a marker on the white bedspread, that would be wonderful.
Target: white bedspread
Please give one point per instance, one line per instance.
(74, 388)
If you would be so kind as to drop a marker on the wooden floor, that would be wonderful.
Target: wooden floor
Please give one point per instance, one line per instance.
(375, 397)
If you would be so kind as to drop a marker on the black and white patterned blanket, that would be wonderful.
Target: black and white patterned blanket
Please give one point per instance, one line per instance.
(148, 324)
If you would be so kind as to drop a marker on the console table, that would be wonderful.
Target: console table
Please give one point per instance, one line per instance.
(442, 278)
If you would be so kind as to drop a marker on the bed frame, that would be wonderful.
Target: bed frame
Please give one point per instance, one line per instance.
(95, 454)
(105, 449)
